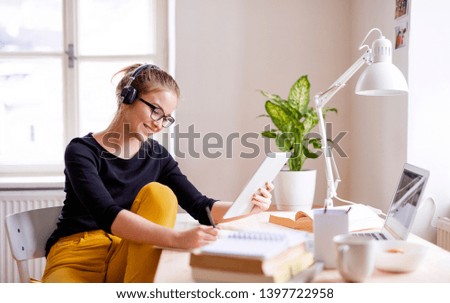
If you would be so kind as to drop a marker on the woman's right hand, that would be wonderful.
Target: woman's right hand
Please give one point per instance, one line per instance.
(196, 237)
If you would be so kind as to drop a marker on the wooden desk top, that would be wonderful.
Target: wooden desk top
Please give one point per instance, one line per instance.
(435, 267)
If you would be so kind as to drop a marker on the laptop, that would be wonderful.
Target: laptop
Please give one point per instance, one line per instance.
(404, 205)
(266, 172)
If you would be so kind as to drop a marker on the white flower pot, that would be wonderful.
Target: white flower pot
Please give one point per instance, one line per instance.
(294, 190)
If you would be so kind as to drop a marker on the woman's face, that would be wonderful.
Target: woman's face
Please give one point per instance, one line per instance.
(141, 119)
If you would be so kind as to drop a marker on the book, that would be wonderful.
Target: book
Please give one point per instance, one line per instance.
(361, 217)
(248, 243)
(200, 274)
(240, 271)
(252, 256)
(293, 257)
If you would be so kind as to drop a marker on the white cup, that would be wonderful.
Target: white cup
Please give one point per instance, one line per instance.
(328, 224)
(355, 256)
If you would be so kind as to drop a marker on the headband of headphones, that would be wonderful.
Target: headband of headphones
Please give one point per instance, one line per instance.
(129, 93)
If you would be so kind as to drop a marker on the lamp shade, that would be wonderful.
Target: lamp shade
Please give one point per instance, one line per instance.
(381, 78)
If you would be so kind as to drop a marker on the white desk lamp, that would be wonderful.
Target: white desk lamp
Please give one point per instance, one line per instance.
(380, 78)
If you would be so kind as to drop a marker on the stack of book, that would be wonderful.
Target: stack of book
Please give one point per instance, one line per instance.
(244, 258)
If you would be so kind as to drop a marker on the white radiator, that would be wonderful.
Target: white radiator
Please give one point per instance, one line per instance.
(18, 201)
(443, 233)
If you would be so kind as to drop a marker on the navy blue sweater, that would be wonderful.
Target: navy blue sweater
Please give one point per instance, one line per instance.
(98, 185)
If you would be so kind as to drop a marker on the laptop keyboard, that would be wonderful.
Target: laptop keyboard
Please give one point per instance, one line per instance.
(376, 236)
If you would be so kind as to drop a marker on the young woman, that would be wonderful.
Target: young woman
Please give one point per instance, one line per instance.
(123, 190)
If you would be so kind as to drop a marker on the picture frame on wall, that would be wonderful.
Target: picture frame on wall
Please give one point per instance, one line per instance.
(401, 8)
(401, 35)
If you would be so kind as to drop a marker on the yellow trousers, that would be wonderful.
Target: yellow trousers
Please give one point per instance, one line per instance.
(97, 256)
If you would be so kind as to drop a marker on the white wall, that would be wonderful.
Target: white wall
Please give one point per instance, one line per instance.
(429, 99)
(379, 124)
(387, 132)
(229, 49)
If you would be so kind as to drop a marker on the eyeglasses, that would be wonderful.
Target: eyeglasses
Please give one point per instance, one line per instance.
(158, 114)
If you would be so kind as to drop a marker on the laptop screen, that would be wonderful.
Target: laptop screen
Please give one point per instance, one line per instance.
(402, 212)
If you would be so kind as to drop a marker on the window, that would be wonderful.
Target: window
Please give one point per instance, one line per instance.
(57, 58)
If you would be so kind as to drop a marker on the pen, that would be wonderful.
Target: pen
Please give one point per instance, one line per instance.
(211, 220)
(348, 210)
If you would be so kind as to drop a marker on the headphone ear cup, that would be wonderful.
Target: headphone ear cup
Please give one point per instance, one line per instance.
(128, 94)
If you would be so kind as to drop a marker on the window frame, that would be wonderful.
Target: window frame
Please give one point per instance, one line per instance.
(71, 103)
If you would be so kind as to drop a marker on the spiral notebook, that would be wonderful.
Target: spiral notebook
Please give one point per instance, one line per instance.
(251, 244)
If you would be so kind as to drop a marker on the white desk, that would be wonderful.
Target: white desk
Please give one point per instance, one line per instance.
(435, 267)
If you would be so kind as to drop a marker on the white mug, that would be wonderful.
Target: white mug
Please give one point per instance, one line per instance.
(355, 256)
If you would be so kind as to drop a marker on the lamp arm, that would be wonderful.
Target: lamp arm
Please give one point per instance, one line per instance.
(321, 100)
(337, 179)
(331, 185)
(379, 52)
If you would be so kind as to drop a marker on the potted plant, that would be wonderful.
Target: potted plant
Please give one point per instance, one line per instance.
(294, 120)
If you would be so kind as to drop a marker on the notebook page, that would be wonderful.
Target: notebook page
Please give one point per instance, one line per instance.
(254, 244)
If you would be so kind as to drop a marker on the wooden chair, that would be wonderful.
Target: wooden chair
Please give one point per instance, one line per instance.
(28, 232)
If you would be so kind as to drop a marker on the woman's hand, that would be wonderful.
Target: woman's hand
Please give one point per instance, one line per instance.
(196, 237)
(262, 198)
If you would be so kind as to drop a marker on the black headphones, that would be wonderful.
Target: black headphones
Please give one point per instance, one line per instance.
(129, 93)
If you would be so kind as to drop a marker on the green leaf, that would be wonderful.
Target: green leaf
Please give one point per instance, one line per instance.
(306, 151)
(279, 116)
(299, 94)
(329, 109)
(285, 141)
(308, 123)
(272, 97)
(294, 120)
(269, 134)
(316, 143)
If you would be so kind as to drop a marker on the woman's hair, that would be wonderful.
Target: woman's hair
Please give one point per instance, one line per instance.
(149, 79)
